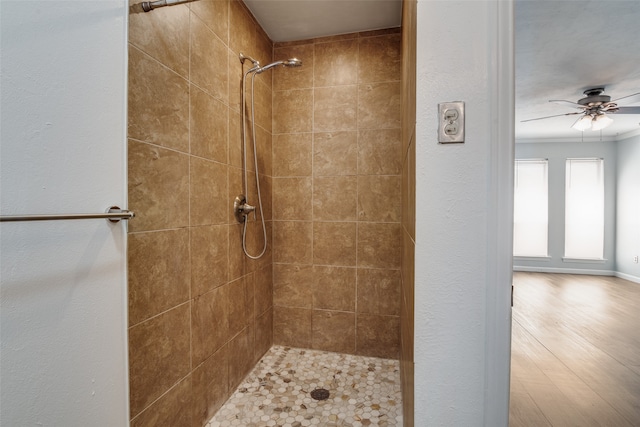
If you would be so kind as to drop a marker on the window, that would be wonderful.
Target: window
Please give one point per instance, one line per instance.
(584, 209)
(531, 212)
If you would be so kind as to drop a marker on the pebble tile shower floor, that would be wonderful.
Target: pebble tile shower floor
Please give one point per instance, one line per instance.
(363, 391)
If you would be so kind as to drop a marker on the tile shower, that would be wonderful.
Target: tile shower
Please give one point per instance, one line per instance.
(201, 315)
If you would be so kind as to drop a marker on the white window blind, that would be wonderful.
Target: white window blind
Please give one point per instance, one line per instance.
(584, 209)
(531, 208)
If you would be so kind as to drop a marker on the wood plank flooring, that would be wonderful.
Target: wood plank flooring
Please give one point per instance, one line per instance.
(575, 351)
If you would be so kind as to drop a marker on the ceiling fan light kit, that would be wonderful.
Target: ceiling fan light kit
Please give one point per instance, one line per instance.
(583, 123)
(597, 122)
(600, 122)
(594, 108)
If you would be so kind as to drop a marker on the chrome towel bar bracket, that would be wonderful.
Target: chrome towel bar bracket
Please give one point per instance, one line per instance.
(113, 214)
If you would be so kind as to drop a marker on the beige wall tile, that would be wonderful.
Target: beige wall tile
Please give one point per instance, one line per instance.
(159, 272)
(335, 108)
(209, 68)
(335, 198)
(158, 356)
(236, 188)
(238, 265)
(158, 187)
(236, 71)
(215, 15)
(292, 326)
(334, 331)
(263, 289)
(210, 386)
(292, 199)
(241, 30)
(209, 323)
(335, 153)
(264, 334)
(241, 303)
(334, 243)
(263, 51)
(292, 285)
(378, 291)
(379, 152)
(378, 336)
(235, 141)
(334, 288)
(208, 192)
(292, 154)
(379, 198)
(380, 58)
(209, 126)
(292, 242)
(285, 78)
(172, 409)
(242, 356)
(379, 106)
(262, 103)
(164, 36)
(264, 141)
(336, 63)
(292, 111)
(158, 113)
(191, 105)
(266, 189)
(379, 245)
(209, 258)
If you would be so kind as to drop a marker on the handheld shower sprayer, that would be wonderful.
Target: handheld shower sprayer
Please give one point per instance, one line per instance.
(241, 208)
(293, 62)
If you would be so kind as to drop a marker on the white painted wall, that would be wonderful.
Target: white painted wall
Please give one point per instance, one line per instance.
(464, 215)
(557, 153)
(628, 209)
(63, 355)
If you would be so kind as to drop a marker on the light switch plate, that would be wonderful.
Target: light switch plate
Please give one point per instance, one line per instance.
(451, 122)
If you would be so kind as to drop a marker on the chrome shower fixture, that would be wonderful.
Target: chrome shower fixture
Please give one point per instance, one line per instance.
(241, 208)
(244, 57)
(148, 6)
(292, 62)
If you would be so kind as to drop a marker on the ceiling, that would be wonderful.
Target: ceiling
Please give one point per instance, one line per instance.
(286, 20)
(562, 49)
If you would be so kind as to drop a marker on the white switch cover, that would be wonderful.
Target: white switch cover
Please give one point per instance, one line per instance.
(451, 122)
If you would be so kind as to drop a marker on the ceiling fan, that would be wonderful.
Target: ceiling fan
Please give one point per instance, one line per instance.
(594, 109)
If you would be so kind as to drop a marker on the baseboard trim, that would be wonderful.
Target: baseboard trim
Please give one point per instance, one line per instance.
(628, 277)
(567, 271)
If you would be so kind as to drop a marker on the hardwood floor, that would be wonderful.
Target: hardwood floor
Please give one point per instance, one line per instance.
(575, 352)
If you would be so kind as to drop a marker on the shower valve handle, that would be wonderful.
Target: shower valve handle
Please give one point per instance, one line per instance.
(242, 209)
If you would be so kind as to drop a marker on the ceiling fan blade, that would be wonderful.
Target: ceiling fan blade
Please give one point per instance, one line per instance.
(626, 110)
(575, 104)
(628, 96)
(548, 117)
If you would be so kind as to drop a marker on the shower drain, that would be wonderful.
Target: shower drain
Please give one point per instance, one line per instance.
(320, 394)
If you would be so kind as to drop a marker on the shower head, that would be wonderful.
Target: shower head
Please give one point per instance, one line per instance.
(293, 62)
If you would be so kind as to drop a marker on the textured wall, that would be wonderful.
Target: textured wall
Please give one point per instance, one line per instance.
(200, 312)
(463, 215)
(63, 283)
(628, 209)
(337, 165)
